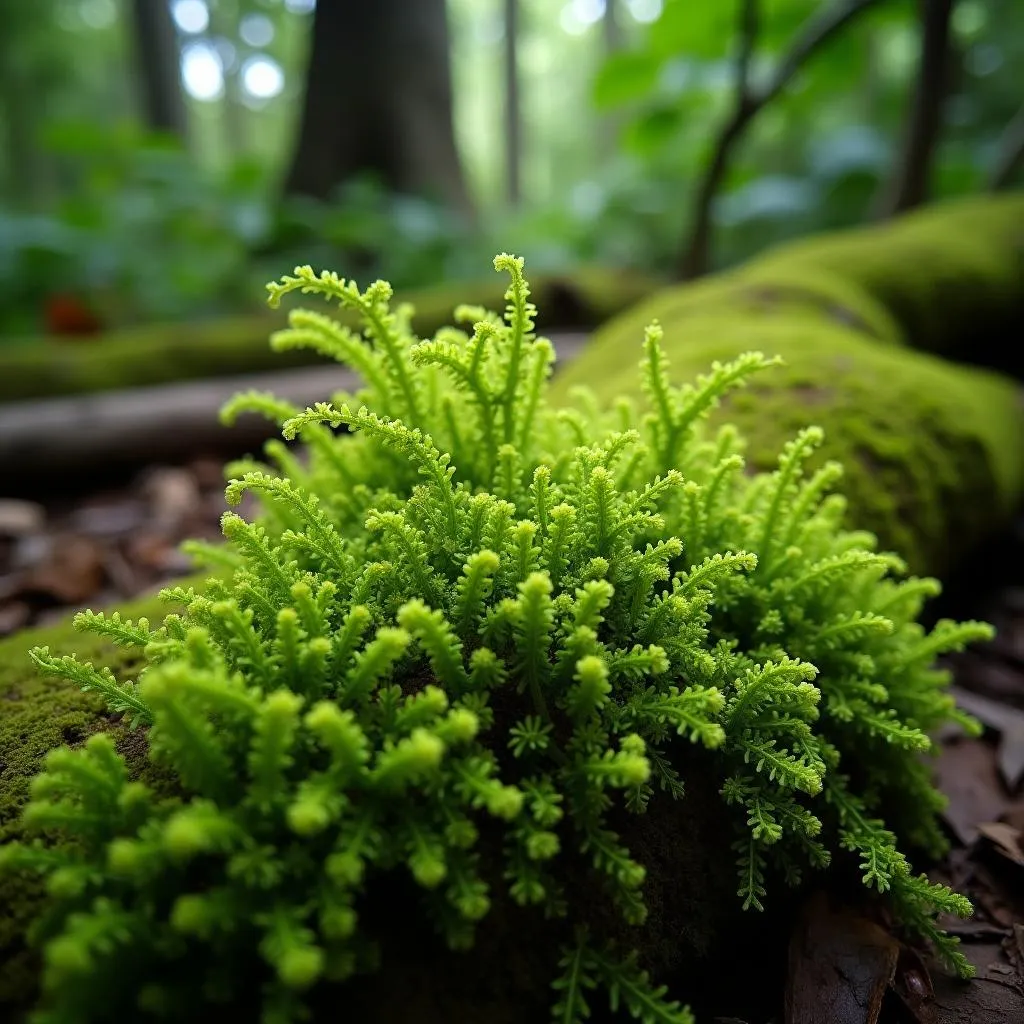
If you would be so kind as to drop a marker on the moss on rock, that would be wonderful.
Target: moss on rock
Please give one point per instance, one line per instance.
(38, 714)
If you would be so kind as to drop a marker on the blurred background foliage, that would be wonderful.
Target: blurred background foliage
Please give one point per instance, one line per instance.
(159, 160)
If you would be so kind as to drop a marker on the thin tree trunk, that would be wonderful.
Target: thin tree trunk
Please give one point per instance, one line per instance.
(379, 100)
(610, 27)
(611, 31)
(224, 25)
(908, 186)
(748, 103)
(513, 111)
(159, 67)
(1011, 153)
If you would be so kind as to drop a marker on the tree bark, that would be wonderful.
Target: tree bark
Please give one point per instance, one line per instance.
(513, 111)
(379, 100)
(159, 64)
(908, 186)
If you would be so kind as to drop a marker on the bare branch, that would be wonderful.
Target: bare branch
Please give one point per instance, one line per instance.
(748, 102)
(1011, 152)
(750, 27)
(908, 186)
(815, 33)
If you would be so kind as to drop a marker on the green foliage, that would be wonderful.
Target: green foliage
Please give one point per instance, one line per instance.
(471, 612)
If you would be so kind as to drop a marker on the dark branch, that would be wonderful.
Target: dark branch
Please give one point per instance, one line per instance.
(815, 33)
(750, 27)
(908, 186)
(748, 103)
(1011, 152)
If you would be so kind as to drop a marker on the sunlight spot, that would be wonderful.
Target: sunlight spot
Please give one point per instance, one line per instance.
(645, 11)
(969, 18)
(98, 13)
(576, 17)
(202, 72)
(300, 6)
(262, 77)
(191, 16)
(256, 30)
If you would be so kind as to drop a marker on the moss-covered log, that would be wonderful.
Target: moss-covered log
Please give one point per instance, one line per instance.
(160, 353)
(934, 454)
(933, 450)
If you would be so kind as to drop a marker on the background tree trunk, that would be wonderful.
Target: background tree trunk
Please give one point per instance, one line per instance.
(749, 100)
(908, 186)
(159, 67)
(610, 125)
(379, 99)
(224, 21)
(513, 110)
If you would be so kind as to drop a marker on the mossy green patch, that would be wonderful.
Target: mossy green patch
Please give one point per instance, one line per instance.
(162, 353)
(38, 714)
(933, 452)
(951, 275)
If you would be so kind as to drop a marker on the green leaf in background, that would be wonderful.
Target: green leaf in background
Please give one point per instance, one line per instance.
(625, 77)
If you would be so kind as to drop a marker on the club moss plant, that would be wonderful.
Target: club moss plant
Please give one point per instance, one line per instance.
(475, 658)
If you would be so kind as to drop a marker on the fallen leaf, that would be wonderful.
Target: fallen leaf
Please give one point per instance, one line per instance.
(1005, 838)
(995, 714)
(840, 965)
(912, 983)
(993, 997)
(967, 774)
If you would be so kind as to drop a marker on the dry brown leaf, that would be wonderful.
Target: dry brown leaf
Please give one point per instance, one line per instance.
(968, 775)
(1005, 838)
(840, 965)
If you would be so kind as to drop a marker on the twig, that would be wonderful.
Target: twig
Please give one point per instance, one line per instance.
(908, 186)
(815, 33)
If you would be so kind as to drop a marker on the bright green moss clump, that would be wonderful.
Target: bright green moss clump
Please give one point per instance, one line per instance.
(471, 675)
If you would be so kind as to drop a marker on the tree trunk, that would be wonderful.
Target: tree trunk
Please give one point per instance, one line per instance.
(224, 26)
(379, 100)
(513, 117)
(158, 62)
(611, 124)
(909, 185)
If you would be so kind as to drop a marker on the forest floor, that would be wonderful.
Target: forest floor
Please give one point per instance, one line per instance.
(845, 966)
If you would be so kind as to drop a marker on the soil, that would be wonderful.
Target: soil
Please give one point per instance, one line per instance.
(846, 963)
